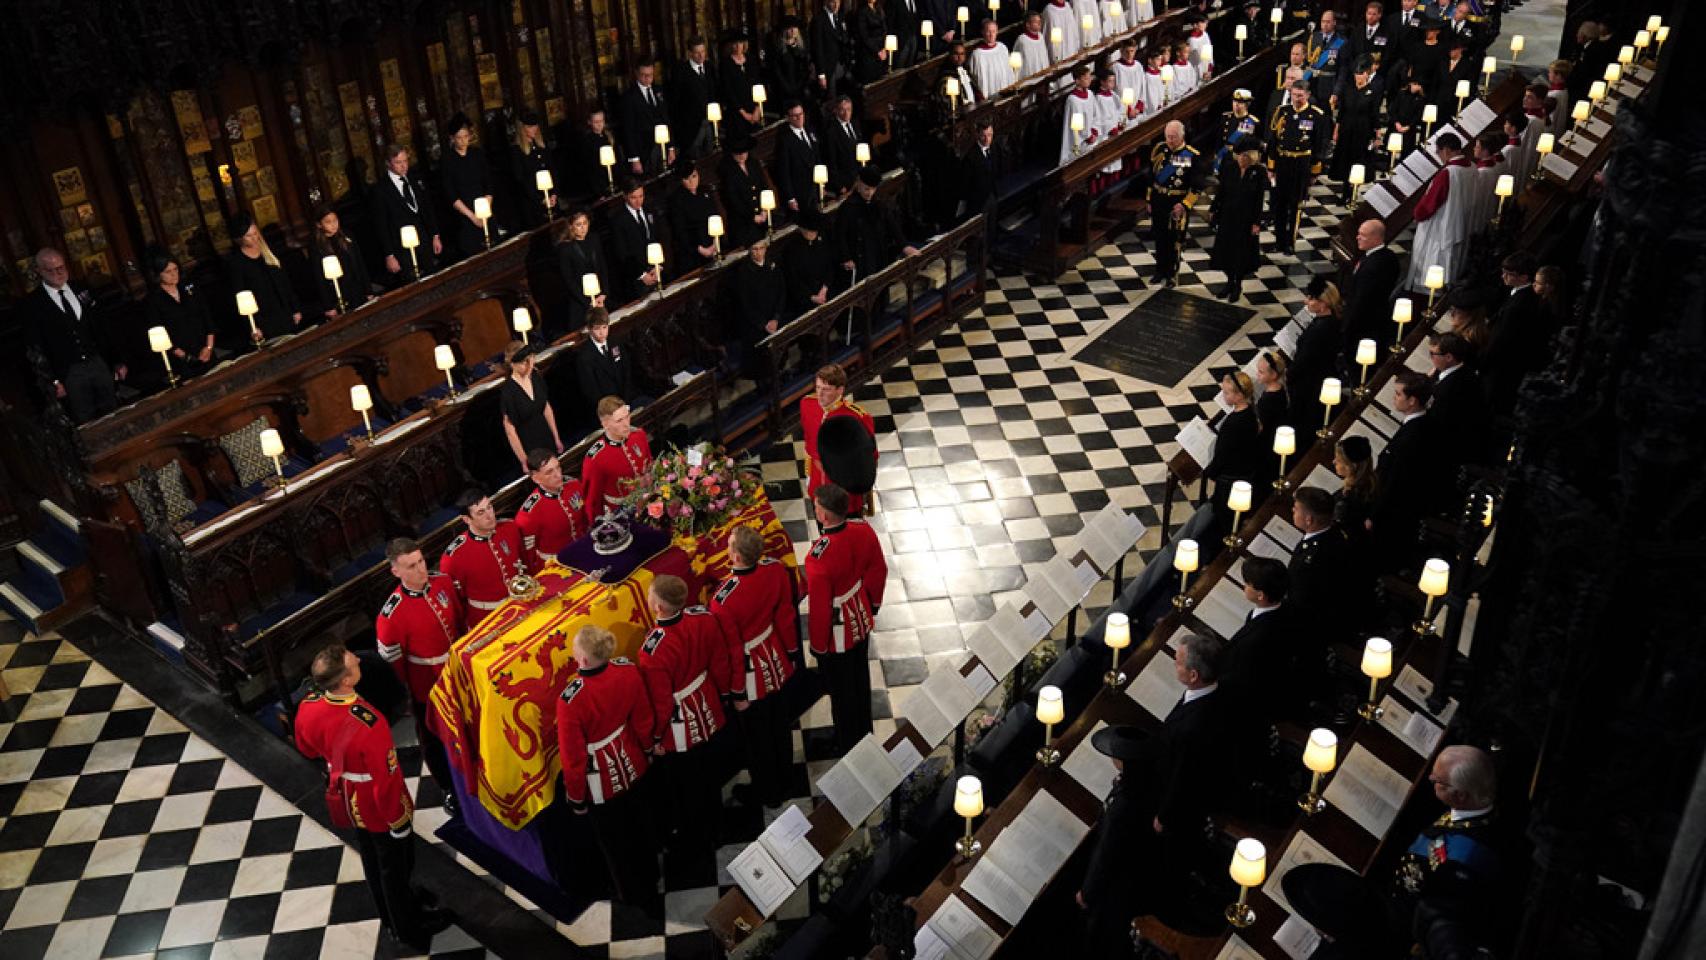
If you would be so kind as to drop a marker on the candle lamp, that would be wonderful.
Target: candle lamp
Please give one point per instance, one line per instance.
(1077, 125)
(1654, 22)
(1518, 42)
(1185, 558)
(1051, 709)
(160, 341)
(410, 238)
(1166, 83)
(994, 8)
(891, 45)
(444, 359)
(767, 203)
(1661, 35)
(952, 88)
(1116, 633)
(1626, 55)
(1430, 116)
(1087, 23)
(361, 399)
(333, 269)
(1238, 501)
(1503, 188)
(272, 446)
(542, 180)
(1402, 313)
(963, 15)
(1642, 39)
(758, 98)
(1016, 61)
(1115, 11)
(862, 154)
(1376, 666)
(1358, 177)
(714, 113)
(654, 256)
(1329, 399)
(1596, 91)
(1489, 66)
(660, 136)
(820, 176)
(1249, 868)
(1285, 444)
(1613, 73)
(1434, 581)
(1542, 149)
(1435, 282)
(1240, 34)
(590, 287)
(1579, 114)
(1365, 355)
(483, 213)
(1394, 147)
(1320, 756)
(968, 803)
(1128, 98)
(714, 229)
(1462, 94)
(247, 306)
(1275, 16)
(607, 159)
(522, 321)
(926, 29)
(1056, 38)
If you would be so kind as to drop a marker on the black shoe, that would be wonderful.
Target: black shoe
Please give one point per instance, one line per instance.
(451, 806)
(1169, 283)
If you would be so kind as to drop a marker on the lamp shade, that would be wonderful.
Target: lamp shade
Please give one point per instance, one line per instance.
(1430, 113)
(246, 304)
(1462, 88)
(1329, 391)
(1016, 61)
(1238, 500)
(862, 153)
(542, 180)
(1642, 38)
(951, 87)
(891, 43)
(994, 6)
(1545, 144)
(1057, 38)
(1613, 72)
(714, 112)
(410, 237)
(1185, 556)
(1077, 123)
(1654, 22)
(714, 225)
(159, 340)
(359, 398)
(820, 174)
(1505, 186)
(1051, 707)
(1128, 96)
(1285, 441)
(1117, 632)
(521, 320)
(1239, 33)
(1394, 143)
(1276, 15)
(272, 445)
(1115, 11)
(1359, 175)
(1580, 111)
(1435, 578)
(1626, 56)
(1365, 352)
(660, 135)
(968, 797)
(589, 285)
(758, 94)
(443, 357)
(962, 14)
(607, 155)
(1088, 23)
(1377, 658)
(1489, 65)
(1321, 753)
(1596, 91)
(654, 254)
(1402, 311)
(1166, 73)
(1517, 43)
(1435, 279)
(1249, 863)
(331, 267)
(1662, 33)
(927, 28)
(482, 208)
(767, 200)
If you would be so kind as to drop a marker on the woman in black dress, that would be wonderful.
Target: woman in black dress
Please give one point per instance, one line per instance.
(1405, 111)
(788, 68)
(175, 306)
(1353, 462)
(689, 213)
(735, 76)
(1358, 116)
(528, 156)
(1237, 214)
(1238, 451)
(742, 179)
(578, 254)
(252, 266)
(463, 176)
(330, 240)
(1273, 407)
(870, 59)
(529, 421)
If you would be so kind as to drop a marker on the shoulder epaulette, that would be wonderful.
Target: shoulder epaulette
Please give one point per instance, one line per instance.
(575, 686)
(727, 589)
(391, 603)
(594, 450)
(455, 544)
(622, 661)
(360, 712)
(1192, 149)
(820, 546)
(532, 499)
(698, 609)
(652, 640)
(313, 695)
(764, 560)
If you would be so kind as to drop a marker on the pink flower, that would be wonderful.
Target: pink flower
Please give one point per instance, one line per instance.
(711, 489)
(669, 479)
(719, 504)
(693, 471)
(688, 483)
(655, 509)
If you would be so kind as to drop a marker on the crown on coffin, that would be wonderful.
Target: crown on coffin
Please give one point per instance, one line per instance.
(610, 535)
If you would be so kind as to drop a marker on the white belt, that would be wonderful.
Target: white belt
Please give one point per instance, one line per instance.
(688, 690)
(754, 643)
(429, 661)
(593, 748)
(612, 500)
(485, 604)
(858, 585)
(357, 777)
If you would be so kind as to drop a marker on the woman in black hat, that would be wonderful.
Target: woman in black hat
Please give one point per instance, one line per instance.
(528, 155)
(742, 178)
(463, 176)
(1353, 462)
(736, 74)
(253, 266)
(529, 421)
(689, 212)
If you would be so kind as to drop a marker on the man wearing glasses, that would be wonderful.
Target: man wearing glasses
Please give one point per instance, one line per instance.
(77, 348)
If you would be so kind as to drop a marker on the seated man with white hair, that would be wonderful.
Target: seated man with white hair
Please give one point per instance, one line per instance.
(1454, 867)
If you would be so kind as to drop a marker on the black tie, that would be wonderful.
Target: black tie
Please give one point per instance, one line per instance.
(649, 101)
(640, 218)
(408, 193)
(65, 303)
(849, 128)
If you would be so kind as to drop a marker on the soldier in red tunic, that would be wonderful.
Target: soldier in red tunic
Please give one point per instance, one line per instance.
(367, 792)
(690, 666)
(829, 400)
(484, 557)
(417, 626)
(604, 725)
(845, 577)
(759, 607)
(622, 454)
(554, 514)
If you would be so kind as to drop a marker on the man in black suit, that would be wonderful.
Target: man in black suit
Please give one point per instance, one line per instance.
(1519, 341)
(632, 230)
(810, 267)
(692, 86)
(639, 112)
(1258, 667)
(404, 201)
(903, 17)
(1460, 402)
(1326, 590)
(1409, 480)
(841, 143)
(832, 48)
(977, 172)
(601, 368)
(797, 152)
(81, 351)
(1369, 282)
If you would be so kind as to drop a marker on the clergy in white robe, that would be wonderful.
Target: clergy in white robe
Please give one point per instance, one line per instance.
(1154, 92)
(1442, 215)
(1059, 15)
(1128, 73)
(1202, 48)
(1080, 103)
(990, 63)
(1110, 114)
(1520, 152)
(1184, 76)
(1032, 47)
(1089, 16)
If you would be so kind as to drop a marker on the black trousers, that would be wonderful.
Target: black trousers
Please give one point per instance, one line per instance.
(388, 862)
(1291, 179)
(767, 738)
(625, 837)
(692, 795)
(89, 389)
(848, 679)
(1163, 236)
(432, 750)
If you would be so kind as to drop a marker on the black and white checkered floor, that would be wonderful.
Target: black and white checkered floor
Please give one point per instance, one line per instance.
(122, 832)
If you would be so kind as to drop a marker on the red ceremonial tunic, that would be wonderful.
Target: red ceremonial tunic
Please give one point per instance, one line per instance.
(416, 630)
(607, 464)
(812, 416)
(603, 721)
(367, 788)
(845, 577)
(760, 607)
(551, 521)
(689, 664)
(483, 566)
